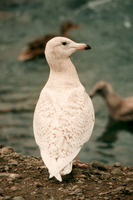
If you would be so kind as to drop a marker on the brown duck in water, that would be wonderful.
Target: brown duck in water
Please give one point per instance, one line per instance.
(36, 47)
(119, 109)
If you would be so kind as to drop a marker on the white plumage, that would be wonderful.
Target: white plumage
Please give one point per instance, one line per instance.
(64, 115)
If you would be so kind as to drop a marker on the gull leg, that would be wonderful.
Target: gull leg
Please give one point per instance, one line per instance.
(76, 160)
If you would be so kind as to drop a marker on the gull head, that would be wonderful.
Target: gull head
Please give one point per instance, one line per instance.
(102, 88)
(62, 48)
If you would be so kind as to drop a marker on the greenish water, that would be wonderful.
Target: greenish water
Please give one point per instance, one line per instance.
(107, 26)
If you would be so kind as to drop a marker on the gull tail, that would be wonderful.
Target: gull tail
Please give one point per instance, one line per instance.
(64, 171)
(60, 166)
(57, 176)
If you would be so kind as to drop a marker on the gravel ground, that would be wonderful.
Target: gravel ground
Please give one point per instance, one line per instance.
(26, 178)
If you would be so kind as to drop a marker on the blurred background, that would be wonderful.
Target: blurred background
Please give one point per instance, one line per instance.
(107, 26)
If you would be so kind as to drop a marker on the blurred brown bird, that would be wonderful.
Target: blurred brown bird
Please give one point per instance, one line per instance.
(36, 47)
(120, 109)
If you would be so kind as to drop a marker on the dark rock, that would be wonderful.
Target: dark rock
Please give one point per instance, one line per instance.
(1, 146)
(38, 184)
(117, 164)
(1, 191)
(127, 191)
(98, 166)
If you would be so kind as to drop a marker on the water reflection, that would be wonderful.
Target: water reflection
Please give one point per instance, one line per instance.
(112, 129)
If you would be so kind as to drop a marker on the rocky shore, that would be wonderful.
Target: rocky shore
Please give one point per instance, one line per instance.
(26, 178)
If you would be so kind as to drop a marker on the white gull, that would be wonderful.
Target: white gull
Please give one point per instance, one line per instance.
(64, 116)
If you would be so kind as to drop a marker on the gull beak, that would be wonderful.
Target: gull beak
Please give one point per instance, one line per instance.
(81, 46)
(88, 47)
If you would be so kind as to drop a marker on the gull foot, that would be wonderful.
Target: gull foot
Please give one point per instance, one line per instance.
(83, 165)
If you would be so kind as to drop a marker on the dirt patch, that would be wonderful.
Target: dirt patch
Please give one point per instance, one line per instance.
(26, 178)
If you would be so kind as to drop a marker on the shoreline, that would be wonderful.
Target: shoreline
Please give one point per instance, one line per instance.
(26, 178)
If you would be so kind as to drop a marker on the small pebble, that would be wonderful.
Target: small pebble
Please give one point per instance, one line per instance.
(74, 187)
(6, 150)
(7, 168)
(117, 172)
(101, 193)
(42, 167)
(106, 198)
(125, 168)
(81, 176)
(129, 179)
(18, 198)
(119, 189)
(82, 198)
(97, 188)
(78, 190)
(15, 176)
(10, 180)
(130, 173)
(13, 162)
(14, 188)
(117, 164)
(33, 193)
(5, 198)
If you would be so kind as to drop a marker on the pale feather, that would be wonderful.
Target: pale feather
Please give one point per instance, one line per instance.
(63, 123)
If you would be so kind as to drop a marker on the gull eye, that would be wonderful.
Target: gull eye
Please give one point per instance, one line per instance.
(64, 43)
